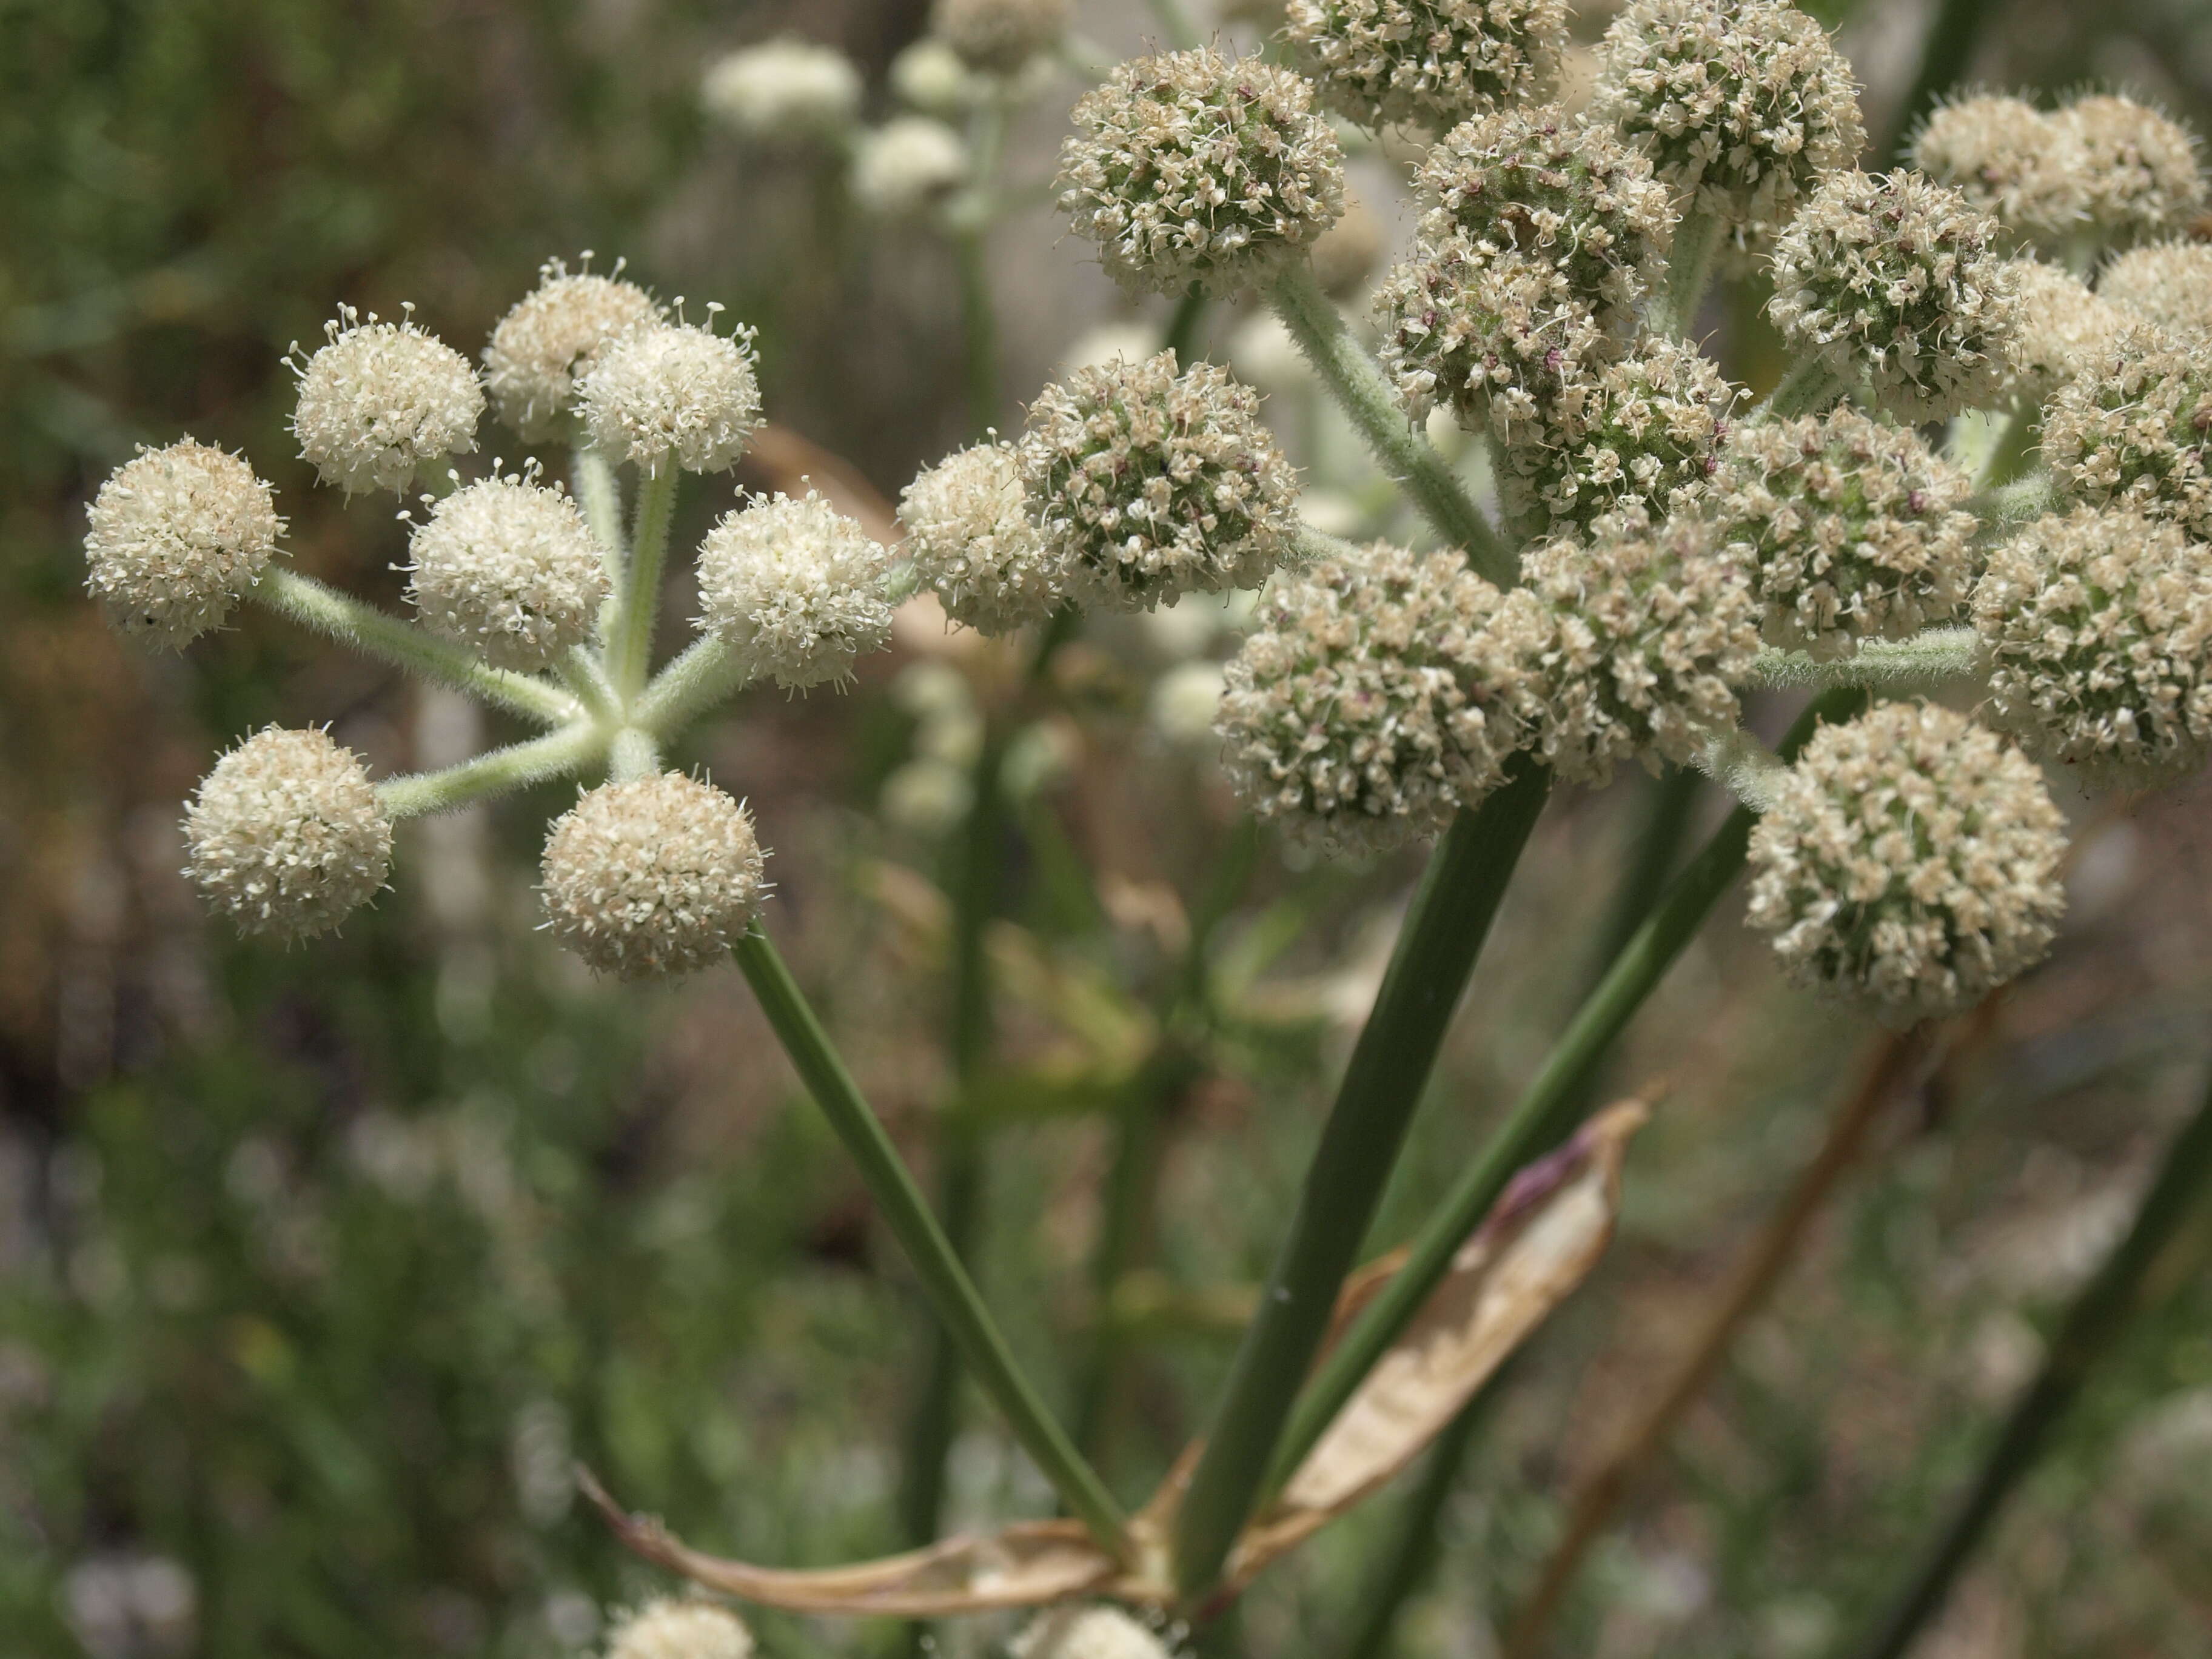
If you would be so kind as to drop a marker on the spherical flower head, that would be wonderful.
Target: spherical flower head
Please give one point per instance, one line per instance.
(552, 338)
(2134, 430)
(1851, 528)
(2062, 330)
(286, 835)
(1741, 104)
(1377, 692)
(969, 532)
(2096, 629)
(1429, 63)
(928, 75)
(673, 394)
(2168, 283)
(645, 880)
(2141, 175)
(999, 37)
(795, 586)
(1653, 627)
(1154, 484)
(380, 400)
(1910, 858)
(1897, 280)
(673, 1629)
(1098, 1633)
(907, 165)
(510, 569)
(2009, 159)
(174, 537)
(783, 91)
(1649, 436)
(1557, 189)
(1193, 167)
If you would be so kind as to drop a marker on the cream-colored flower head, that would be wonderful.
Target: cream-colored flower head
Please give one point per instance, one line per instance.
(2135, 430)
(175, 535)
(1378, 692)
(1743, 105)
(783, 91)
(2168, 283)
(510, 569)
(1154, 484)
(2010, 160)
(1430, 63)
(1193, 167)
(2063, 330)
(544, 347)
(1501, 338)
(1851, 528)
(1897, 281)
(673, 394)
(643, 879)
(2141, 175)
(2096, 631)
(928, 75)
(1654, 626)
(673, 1629)
(1910, 858)
(999, 37)
(908, 165)
(286, 835)
(1556, 190)
(795, 586)
(1096, 1632)
(1649, 436)
(969, 532)
(378, 400)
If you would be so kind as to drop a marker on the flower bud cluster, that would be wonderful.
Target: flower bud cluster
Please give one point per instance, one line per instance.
(672, 394)
(2009, 159)
(1427, 61)
(795, 586)
(999, 37)
(286, 835)
(673, 1629)
(508, 567)
(2062, 330)
(379, 401)
(175, 535)
(969, 535)
(2167, 283)
(552, 339)
(2137, 431)
(2140, 177)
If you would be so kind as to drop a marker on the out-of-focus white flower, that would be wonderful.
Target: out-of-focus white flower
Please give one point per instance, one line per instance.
(1184, 700)
(907, 165)
(785, 90)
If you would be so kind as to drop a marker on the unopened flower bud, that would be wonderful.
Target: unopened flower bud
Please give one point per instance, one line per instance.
(2168, 283)
(795, 586)
(999, 37)
(973, 544)
(2008, 160)
(509, 569)
(379, 401)
(2135, 430)
(1427, 61)
(656, 876)
(672, 1629)
(552, 339)
(673, 394)
(907, 165)
(2141, 176)
(174, 536)
(286, 835)
(783, 91)
(1097, 1632)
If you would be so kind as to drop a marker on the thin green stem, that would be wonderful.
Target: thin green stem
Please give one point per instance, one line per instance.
(497, 772)
(1931, 661)
(1437, 945)
(708, 670)
(1546, 1113)
(636, 606)
(2089, 1334)
(951, 1291)
(1182, 326)
(1698, 241)
(585, 675)
(1356, 383)
(936, 1413)
(1810, 387)
(388, 638)
(591, 480)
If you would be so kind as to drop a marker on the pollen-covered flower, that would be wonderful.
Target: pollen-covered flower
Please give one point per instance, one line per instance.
(673, 1629)
(1196, 166)
(796, 587)
(1899, 281)
(907, 165)
(1909, 857)
(380, 400)
(969, 535)
(1154, 484)
(175, 535)
(1649, 436)
(1851, 528)
(1428, 62)
(2139, 173)
(2097, 630)
(657, 876)
(2168, 283)
(1743, 105)
(510, 569)
(1654, 625)
(2010, 160)
(2063, 330)
(544, 346)
(1377, 692)
(1097, 1632)
(999, 37)
(673, 393)
(2135, 430)
(783, 91)
(286, 835)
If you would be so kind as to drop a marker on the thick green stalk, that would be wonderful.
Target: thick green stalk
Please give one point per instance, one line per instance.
(1442, 935)
(497, 772)
(636, 602)
(1182, 326)
(951, 1291)
(591, 480)
(1690, 271)
(1546, 1113)
(1356, 383)
(2007, 507)
(2090, 1334)
(632, 754)
(1930, 661)
(1810, 388)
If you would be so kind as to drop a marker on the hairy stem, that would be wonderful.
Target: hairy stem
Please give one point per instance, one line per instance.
(591, 480)
(1182, 326)
(632, 754)
(1689, 271)
(1810, 387)
(2007, 507)
(498, 772)
(1931, 661)
(628, 622)
(1743, 766)
(708, 670)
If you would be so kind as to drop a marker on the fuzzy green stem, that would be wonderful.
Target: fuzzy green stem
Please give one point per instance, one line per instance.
(498, 772)
(1743, 766)
(1437, 945)
(2090, 1334)
(1698, 241)
(389, 639)
(1547, 1112)
(2006, 508)
(1810, 387)
(1356, 383)
(632, 754)
(943, 1280)
(708, 670)
(1932, 661)
(1182, 326)
(591, 480)
(580, 670)
(636, 602)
